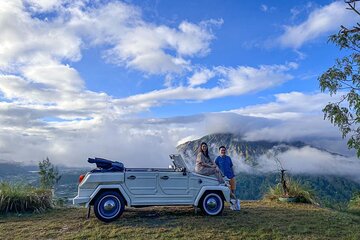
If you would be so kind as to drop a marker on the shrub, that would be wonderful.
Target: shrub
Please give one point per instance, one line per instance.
(49, 175)
(19, 198)
(354, 203)
(60, 202)
(296, 190)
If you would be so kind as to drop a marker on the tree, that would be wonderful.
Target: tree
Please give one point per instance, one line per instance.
(344, 78)
(273, 154)
(49, 175)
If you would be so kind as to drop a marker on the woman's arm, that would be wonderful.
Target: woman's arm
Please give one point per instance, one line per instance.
(201, 161)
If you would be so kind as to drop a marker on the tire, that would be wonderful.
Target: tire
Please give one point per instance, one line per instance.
(109, 206)
(212, 204)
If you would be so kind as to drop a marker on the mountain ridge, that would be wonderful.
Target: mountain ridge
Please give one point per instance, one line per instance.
(240, 148)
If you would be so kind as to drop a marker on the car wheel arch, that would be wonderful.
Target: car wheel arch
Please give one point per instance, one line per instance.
(221, 194)
(102, 190)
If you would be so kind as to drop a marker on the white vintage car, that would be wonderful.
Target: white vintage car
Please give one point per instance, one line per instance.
(111, 187)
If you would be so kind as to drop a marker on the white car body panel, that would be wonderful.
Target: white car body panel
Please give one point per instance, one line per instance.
(151, 187)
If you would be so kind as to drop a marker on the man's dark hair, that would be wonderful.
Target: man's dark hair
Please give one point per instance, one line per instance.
(222, 147)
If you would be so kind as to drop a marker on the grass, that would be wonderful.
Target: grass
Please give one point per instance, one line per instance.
(296, 189)
(19, 198)
(354, 204)
(256, 220)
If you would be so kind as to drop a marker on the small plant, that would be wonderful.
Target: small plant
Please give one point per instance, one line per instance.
(273, 154)
(287, 190)
(354, 204)
(19, 198)
(49, 175)
(60, 202)
(295, 190)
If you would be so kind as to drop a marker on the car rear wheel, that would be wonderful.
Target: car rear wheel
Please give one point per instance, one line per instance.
(109, 206)
(212, 204)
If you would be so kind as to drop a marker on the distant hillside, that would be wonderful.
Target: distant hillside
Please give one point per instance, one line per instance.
(17, 172)
(331, 191)
(11, 168)
(249, 151)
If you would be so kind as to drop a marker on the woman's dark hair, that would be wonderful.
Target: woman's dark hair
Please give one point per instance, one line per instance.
(206, 153)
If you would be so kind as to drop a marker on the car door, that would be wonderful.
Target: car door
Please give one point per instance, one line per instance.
(141, 186)
(174, 183)
(174, 187)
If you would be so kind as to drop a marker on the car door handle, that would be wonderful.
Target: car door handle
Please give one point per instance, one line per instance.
(165, 177)
(132, 177)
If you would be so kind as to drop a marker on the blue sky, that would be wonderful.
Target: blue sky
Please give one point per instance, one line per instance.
(243, 39)
(83, 78)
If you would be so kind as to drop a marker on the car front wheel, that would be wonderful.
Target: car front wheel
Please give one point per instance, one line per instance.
(109, 206)
(212, 204)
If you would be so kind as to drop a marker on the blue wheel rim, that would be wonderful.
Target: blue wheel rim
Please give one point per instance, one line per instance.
(106, 211)
(212, 204)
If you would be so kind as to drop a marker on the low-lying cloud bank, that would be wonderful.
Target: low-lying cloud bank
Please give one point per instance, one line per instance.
(309, 160)
(148, 142)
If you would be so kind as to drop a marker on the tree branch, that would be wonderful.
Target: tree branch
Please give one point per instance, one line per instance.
(353, 7)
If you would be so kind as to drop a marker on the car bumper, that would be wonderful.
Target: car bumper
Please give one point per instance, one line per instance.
(81, 200)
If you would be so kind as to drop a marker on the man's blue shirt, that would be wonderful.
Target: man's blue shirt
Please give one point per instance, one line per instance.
(225, 164)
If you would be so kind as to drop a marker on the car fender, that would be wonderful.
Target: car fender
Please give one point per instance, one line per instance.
(114, 186)
(224, 189)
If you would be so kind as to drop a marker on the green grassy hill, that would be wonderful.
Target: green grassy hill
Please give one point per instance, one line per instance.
(256, 220)
(330, 191)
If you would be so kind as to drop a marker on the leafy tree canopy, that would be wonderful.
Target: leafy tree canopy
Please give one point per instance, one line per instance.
(49, 175)
(344, 78)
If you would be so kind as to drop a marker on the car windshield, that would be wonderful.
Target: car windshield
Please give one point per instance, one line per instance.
(178, 162)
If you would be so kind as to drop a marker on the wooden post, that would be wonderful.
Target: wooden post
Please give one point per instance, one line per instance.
(88, 213)
(283, 182)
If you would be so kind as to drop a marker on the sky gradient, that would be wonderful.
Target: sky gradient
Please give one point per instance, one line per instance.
(129, 80)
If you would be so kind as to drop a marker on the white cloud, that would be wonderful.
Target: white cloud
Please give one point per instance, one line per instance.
(263, 8)
(320, 22)
(302, 10)
(30, 40)
(71, 143)
(130, 41)
(309, 160)
(232, 82)
(47, 109)
(147, 47)
(44, 5)
(266, 8)
(34, 76)
(33, 49)
(200, 77)
(298, 117)
(288, 106)
(140, 142)
(55, 76)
